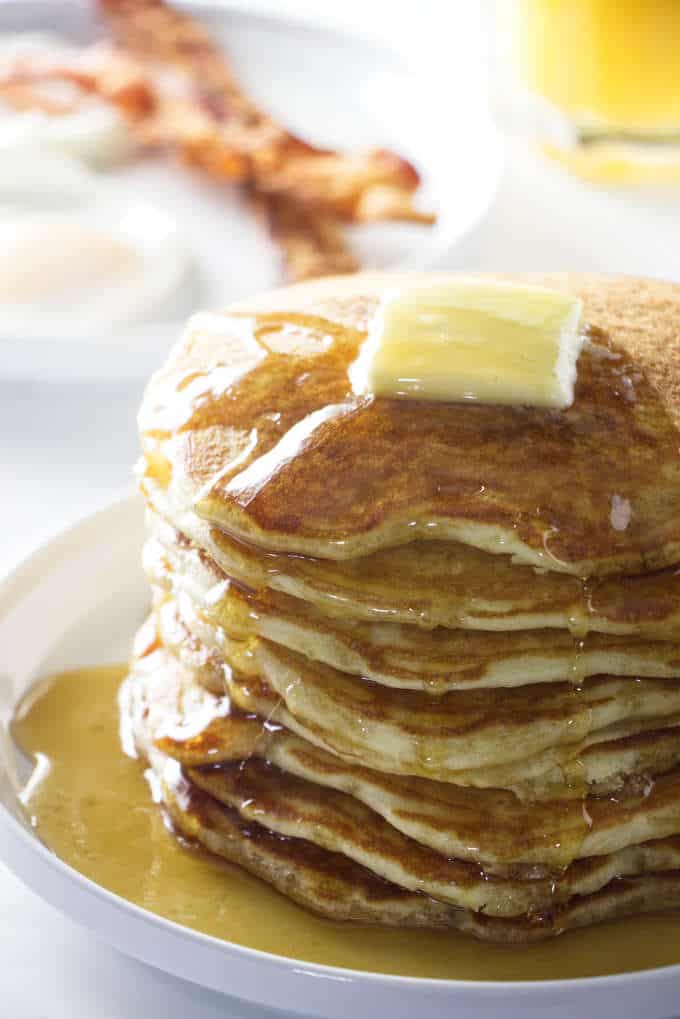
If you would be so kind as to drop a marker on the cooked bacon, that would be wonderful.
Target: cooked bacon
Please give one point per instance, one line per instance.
(118, 79)
(97, 70)
(374, 185)
(311, 243)
(302, 192)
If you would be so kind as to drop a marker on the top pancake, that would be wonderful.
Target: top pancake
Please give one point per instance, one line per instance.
(253, 425)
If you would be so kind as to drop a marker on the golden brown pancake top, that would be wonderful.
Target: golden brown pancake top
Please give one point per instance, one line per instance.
(267, 440)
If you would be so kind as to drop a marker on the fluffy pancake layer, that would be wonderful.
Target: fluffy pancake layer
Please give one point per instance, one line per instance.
(394, 654)
(253, 425)
(470, 737)
(197, 728)
(435, 583)
(173, 720)
(417, 663)
(332, 886)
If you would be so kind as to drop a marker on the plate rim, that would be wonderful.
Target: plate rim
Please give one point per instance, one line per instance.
(24, 576)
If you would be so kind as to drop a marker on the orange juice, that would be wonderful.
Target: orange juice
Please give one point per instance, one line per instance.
(610, 66)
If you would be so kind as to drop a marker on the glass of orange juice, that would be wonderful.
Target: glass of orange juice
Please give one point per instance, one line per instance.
(597, 81)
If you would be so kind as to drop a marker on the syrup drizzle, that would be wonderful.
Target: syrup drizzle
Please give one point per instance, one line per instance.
(75, 807)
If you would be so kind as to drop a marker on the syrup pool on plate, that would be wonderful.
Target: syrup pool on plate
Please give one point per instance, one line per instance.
(91, 805)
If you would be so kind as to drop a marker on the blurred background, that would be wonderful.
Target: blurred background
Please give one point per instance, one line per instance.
(544, 131)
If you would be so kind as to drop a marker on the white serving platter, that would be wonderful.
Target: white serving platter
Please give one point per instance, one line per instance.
(86, 588)
(333, 88)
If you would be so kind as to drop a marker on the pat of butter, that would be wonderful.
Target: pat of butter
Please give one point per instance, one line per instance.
(472, 339)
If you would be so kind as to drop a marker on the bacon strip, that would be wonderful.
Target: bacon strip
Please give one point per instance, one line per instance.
(174, 84)
(311, 243)
(97, 70)
(302, 192)
(378, 184)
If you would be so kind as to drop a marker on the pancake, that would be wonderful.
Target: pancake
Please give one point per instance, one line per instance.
(338, 822)
(253, 425)
(196, 729)
(417, 661)
(410, 732)
(327, 883)
(394, 654)
(435, 583)
(602, 762)
(341, 821)
(336, 888)
(536, 838)
(286, 805)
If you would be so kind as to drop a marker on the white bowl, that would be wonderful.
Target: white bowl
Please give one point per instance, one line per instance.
(86, 588)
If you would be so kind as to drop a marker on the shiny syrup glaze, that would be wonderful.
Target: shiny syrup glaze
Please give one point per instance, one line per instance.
(276, 446)
(92, 807)
(427, 584)
(434, 660)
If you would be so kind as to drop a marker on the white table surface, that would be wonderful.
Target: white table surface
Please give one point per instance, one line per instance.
(67, 448)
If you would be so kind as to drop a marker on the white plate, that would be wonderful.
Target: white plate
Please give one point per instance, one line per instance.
(333, 88)
(86, 588)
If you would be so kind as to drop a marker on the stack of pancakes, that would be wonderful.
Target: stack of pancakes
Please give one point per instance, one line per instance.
(417, 663)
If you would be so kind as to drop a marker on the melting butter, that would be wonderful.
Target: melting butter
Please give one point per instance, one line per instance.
(472, 339)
